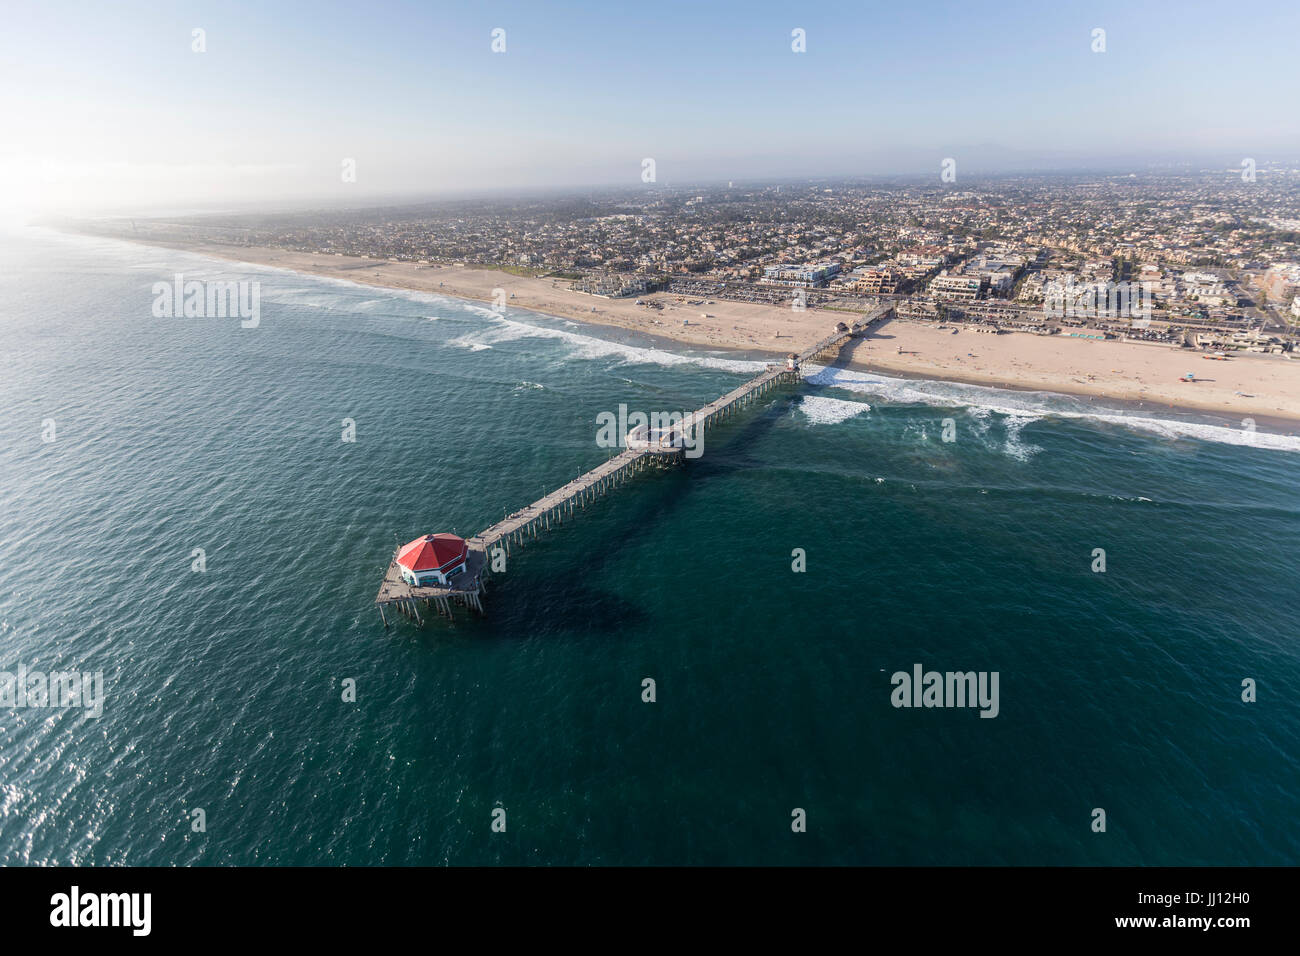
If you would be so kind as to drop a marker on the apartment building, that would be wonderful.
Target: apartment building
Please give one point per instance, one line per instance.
(878, 280)
(799, 275)
(958, 288)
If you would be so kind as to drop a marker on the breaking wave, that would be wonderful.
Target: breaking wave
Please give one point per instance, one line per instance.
(821, 410)
(1020, 408)
(503, 327)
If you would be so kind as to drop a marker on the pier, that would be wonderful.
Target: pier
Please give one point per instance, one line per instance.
(467, 588)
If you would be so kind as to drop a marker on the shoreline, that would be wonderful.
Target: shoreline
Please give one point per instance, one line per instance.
(1271, 424)
(1133, 376)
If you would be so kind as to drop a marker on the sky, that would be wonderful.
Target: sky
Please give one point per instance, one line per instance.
(107, 106)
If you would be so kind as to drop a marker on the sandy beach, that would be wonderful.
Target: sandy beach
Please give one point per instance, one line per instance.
(1148, 375)
(1246, 385)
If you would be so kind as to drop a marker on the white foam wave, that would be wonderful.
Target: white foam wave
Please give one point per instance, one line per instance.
(1013, 446)
(821, 410)
(482, 310)
(1023, 407)
(466, 343)
(584, 345)
(505, 328)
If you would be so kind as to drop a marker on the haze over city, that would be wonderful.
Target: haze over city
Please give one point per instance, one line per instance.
(116, 107)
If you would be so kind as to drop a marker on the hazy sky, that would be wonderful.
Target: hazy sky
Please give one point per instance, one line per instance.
(107, 103)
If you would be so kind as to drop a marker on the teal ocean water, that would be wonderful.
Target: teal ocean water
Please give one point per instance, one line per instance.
(224, 688)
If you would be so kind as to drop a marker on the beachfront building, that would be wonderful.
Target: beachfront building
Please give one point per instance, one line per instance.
(431, 560)
(804, 276)
(961, 288)
(1000, 314)
(999, 272)
(615, 286)
(919, 310)
(877, 280)
(999, 281)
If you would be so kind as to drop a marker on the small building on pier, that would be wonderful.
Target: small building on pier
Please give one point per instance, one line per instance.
(433, 559)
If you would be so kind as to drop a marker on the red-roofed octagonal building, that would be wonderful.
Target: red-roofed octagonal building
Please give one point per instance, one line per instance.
(433, 559)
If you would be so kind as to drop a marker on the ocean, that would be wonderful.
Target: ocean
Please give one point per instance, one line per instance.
(180, 511)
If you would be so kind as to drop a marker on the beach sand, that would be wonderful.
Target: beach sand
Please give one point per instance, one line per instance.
(1148, 375)
(1249, 385)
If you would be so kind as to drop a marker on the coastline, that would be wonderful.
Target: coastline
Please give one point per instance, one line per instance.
(1138, 408)
(1136, 376)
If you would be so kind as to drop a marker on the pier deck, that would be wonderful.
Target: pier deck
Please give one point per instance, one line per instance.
(468, 587)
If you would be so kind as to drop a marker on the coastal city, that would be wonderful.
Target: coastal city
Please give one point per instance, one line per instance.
(1211, 257)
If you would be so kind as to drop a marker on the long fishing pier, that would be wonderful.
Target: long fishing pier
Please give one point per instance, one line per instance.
(467, 587)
